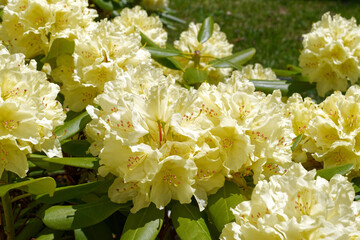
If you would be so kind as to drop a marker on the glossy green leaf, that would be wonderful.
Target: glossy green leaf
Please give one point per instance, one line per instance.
(105, 5)
(34, 186)
(49, 234)
(37, 159)
(59, 47)
(76, 148)
(328, 173)
(95, 232)
(172, 18)
(82, 215)
(146, 41)
(189, 222)
(82, 162)
(219, 204)
(143, 225)
(206, 30)
(268, 86)
(72, 127)
(62, 194)
(195, 75)
(356, 184)
(297, 140)
(235, 60)
(157, 52)
(299, 86)
(169, 63)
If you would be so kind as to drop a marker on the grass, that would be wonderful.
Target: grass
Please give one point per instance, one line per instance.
(273, 27)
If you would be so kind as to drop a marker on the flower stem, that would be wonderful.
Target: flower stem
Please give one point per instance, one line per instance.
(9, 219)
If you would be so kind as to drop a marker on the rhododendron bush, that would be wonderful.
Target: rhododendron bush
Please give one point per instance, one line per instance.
(110, 132)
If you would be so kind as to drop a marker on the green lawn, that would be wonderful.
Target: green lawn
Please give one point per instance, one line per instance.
(273, 27)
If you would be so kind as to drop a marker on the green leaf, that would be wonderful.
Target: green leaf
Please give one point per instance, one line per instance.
(356, 183)
(328, 173)
(59, 47)
(145, 224)
(105, 5)
(96, 232)
(268, 86)
(172, 18)
(62, 194)
(82, 162)
(146, 41)
(206, 30)
(82, 215)
(219, 204)
(284, 73)
(294, 68)
(37, 159)
(76, 148)
(163, 52)
(188, 222)
(195, 75)
(169, 63)
(72, 127)
(297, 140)
(49, 234)
(33, 186)
(235, 60)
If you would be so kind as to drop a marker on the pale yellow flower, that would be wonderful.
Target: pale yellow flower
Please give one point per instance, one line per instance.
(331, 53)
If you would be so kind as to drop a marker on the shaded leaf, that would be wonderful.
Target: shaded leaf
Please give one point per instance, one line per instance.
(157, 52)
(95, 232)
(297, 140)
(146, 41)
(328, 173)
(284, 73)
(72, 127)
(172, 18)
(195, 75)
(59, 47)
(145, 224)
(235, 60)
(62, 194)
(206, 30)
(34, 186)
(82, 162)
(82, 215)
(220, 203)
(105, 5)
(188, 222)
(76, 148)
(49, 234)
(356, 183)
(268, 86)
(169, 63)
(37, 159)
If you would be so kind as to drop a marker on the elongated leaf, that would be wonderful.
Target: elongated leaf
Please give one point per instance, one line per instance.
(268, 86)
(34, 186)
(235, 60)
(96, 232)
(49, 234)
(219, 204)
(145, 224)
(80, 216)
(297, 140)
(188, 222)
(59, 47)
(163, 52)
(206, 30)
(195, 75)
(356, 183)
(37, 159)
(146, 41)
(172, 18)
(284, 73)
(83, 162)
(72, 127)
(76, 148)
(62, 194)
(169, 63)
(294, 68)
(105, 5)
(328, 173)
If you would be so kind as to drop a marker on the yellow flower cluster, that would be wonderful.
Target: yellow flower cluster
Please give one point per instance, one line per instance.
(297, 206)
(166, 142)
(331, 130)
(331, 53)
(28, 113)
